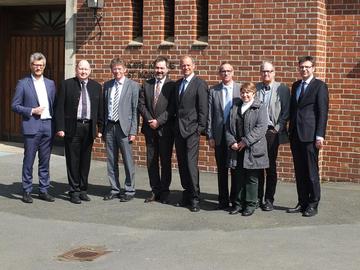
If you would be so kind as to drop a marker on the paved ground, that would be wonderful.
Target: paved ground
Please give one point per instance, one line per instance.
(156, 236)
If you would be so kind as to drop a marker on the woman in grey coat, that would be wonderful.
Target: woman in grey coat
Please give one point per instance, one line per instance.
(245, 135)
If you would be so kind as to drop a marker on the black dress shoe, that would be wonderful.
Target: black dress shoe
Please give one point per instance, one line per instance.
(297, 209)
(235, 210)
(267, 206)
(152, 198)
(310, 212)
(46, 197)
(248, 212)
(75, 199)
(126, 198)
(84, 197)
(111, 196)
(26, 198)
(195, 207)
(223, 206)
(182, 203)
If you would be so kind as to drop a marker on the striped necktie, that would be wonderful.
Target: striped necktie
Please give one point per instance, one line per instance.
(156, 93)
(116, 100)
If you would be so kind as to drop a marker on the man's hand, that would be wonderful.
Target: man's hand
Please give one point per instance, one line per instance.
(99, 135)
(60, 133)
(37, 110)
(319, 143)
(153, 123)
(132, 138)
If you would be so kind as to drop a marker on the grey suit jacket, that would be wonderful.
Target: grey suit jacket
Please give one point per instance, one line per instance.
(127, 105)
(216, 121)
(279, 108)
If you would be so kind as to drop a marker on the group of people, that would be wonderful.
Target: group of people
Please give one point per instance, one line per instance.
(244, 123)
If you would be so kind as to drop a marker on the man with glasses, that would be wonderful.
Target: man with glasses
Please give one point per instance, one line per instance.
(308, 118)
(276, 97)
(33, 100)
(221, 98)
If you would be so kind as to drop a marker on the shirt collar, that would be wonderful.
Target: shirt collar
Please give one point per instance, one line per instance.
(37, 80)
(229, 86)
(121, 81)
(308, 80)
(188, 78)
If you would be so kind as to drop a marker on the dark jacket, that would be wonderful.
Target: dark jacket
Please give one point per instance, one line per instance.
(255, 127)
(67, 102)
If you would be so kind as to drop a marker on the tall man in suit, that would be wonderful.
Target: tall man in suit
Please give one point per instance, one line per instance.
(308, 118)
(156, 106)
(79, 119)
(276, 97)
(120, 104)
(33, 100)
(191, 115)
(221, 98)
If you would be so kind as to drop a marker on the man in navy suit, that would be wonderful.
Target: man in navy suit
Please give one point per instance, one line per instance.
(221, 98)
(156, 106)
(79, 119)
(308, 118)
(191, 98)
(33, 100)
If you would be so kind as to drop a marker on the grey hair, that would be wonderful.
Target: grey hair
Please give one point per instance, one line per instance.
(37, 56)
(264, 63)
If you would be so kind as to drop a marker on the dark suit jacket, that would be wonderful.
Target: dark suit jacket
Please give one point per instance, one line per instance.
(191, 107)
(25, 99)
(129, 98)
(309, 117)
(67, 102)
(165, 107)
(216, 121)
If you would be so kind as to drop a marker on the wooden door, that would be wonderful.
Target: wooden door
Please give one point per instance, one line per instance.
(36, 33)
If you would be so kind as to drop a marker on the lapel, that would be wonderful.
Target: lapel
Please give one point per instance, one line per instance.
(188, 88)
(49, 94)
(32, 88)
(218, 96)
(124, 89)
(308, 89)
(274, 96)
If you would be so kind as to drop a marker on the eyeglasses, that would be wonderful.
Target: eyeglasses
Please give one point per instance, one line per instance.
(267, 71)
(37, 65)
(305, 67)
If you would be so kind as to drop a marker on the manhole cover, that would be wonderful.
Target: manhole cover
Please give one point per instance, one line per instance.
(88, 253)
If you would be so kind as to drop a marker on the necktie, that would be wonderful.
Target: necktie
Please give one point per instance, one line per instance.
(83, 100)
(302, 91)
(227, 103)
(182, 89)
(115, 107)
(156, 93)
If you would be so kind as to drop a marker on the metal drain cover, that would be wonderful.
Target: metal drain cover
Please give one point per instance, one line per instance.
(81, 254)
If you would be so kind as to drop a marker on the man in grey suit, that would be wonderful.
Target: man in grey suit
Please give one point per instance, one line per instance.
(221, 98)
(276, 97)
(120, 104)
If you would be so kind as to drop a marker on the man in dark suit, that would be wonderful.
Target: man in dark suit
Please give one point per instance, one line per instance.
(308, 117)
(79, 119)
(221, 98)
(156, 106)
(33, 100)
(191, 97)
(120, 104)
(276, 97)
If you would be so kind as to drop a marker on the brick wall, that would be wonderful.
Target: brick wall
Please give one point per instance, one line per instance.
(244, 33)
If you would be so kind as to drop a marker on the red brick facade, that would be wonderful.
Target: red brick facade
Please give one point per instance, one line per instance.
(244, 33)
